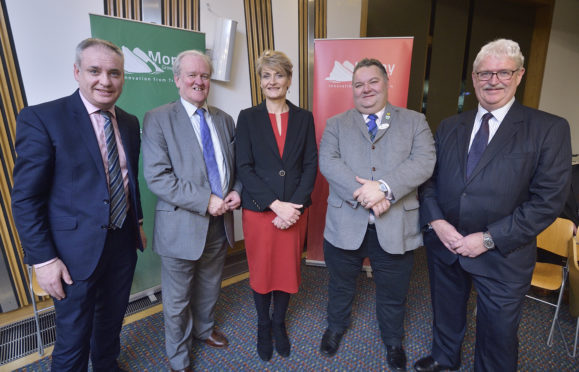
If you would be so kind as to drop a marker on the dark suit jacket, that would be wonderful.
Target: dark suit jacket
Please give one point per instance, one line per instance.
(517, 189)
(60, 195)
(264, 174)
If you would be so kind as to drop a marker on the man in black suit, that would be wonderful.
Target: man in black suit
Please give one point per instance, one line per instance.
(500, 179)
(77, 209)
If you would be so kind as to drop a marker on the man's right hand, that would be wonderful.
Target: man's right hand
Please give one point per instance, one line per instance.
(217, 206)
(447, 234)
(50, 277)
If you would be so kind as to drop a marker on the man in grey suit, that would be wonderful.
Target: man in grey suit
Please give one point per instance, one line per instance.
(374, 157)
(188, 158)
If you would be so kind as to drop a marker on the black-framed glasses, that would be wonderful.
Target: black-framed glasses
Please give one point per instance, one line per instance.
(501, 75)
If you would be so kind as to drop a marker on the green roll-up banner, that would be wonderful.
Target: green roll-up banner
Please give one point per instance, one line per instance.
(149, 53)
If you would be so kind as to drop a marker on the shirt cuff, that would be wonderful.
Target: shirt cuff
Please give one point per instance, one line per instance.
(389, 195)
(37, 266)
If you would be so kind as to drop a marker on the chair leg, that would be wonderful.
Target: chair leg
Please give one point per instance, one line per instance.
(574, 353)
(36, 317)
(559, 300)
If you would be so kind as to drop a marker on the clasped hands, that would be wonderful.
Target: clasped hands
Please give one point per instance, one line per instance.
(370, 196)
(287, 214)
(468, 246)
(218, 206)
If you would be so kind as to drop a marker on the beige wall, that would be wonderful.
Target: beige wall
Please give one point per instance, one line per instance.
(559, 94)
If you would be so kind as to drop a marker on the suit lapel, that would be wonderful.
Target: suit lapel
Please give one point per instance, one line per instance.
(184, 130)
(463, 132)
(81, 121)
(265, 127)
(291, 137)
(389, 117)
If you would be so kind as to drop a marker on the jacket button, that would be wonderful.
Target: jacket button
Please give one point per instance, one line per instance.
(373, 147)
(373, 169)
(282, 173)
(106, 201)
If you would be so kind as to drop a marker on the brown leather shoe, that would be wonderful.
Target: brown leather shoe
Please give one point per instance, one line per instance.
(188, 369)
(217, 339)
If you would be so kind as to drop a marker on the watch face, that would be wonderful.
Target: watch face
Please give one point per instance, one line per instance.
(383, 187)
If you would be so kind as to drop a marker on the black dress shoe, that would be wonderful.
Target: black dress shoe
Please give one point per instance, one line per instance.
(396, 358)
(330, 343)
(282, 343)
(428, 364)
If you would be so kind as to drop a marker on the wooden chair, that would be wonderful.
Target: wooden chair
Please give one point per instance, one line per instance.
(557, 239)
(574, 293)
(35, 290)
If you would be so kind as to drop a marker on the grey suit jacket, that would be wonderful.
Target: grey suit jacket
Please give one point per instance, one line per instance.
(175, 171)
(402, 155)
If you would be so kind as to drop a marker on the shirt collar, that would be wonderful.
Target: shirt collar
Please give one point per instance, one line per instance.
(91, 109)
(191, 108)
(379, 114)
(499, 114)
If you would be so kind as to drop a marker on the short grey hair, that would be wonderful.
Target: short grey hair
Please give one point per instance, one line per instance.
(368, 62)
(192, 52)
(91, 42)
(500, 48)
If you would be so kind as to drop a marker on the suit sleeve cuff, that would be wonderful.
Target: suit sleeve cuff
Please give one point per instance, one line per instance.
(37, 266)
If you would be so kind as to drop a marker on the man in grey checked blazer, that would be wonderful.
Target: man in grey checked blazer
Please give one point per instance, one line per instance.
(372, 210)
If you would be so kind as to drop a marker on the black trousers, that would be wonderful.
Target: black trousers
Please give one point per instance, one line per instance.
(391, 274)
(499, 306)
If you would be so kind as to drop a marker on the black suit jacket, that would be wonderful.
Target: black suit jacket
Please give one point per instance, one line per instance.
(571, 209)
(517, 189)
(264, 174)
(60, 195)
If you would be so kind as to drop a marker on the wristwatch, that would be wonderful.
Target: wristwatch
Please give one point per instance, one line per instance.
(488, 241)
(383, 187)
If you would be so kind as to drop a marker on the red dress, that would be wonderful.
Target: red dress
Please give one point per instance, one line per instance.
(274, 255)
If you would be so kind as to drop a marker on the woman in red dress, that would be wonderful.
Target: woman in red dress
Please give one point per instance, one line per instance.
(277, 158)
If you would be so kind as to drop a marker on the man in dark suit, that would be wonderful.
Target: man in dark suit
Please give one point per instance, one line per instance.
(77, 209)
(374, 157)
(502, 176)
(188, 161)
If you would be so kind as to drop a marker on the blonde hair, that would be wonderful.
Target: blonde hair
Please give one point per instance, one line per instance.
(276, 61)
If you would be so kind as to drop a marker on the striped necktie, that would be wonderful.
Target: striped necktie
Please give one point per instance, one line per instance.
(118, 200)
(372, 127)
(209, 155)
(479, 144)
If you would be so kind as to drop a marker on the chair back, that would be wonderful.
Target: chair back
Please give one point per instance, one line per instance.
(573, 279)
(557, 237)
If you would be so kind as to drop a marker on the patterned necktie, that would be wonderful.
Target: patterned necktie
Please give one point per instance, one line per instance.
(479, 144)
(118, 200)
(209, 155)
(372, 127)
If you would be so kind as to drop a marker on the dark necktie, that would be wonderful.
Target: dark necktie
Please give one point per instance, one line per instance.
(118, 199)
(372, 127)
(209, 155)
(479, 144)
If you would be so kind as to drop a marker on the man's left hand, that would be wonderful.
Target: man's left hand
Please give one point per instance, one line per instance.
(233, 200)
(369, 194)
(471, 245)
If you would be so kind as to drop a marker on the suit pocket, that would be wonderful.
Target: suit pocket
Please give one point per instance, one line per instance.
(411, 204)
(335, 201)
(63, 223)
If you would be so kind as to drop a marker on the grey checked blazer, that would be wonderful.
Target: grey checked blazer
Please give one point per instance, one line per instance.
(402, 154)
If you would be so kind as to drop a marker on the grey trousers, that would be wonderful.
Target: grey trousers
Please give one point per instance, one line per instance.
(190, 292)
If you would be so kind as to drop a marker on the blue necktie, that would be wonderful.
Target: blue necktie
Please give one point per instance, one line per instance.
(372, 127)
(479, 144)
(118, 200)
(209, 155)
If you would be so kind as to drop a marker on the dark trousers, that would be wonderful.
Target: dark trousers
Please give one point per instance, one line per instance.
(391, 274)
(90, 317)
(498, 315)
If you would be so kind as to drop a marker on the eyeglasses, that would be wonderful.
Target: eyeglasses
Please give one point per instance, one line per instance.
(501, 75)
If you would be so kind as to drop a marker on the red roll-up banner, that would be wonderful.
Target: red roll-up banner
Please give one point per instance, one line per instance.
(334, 62)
